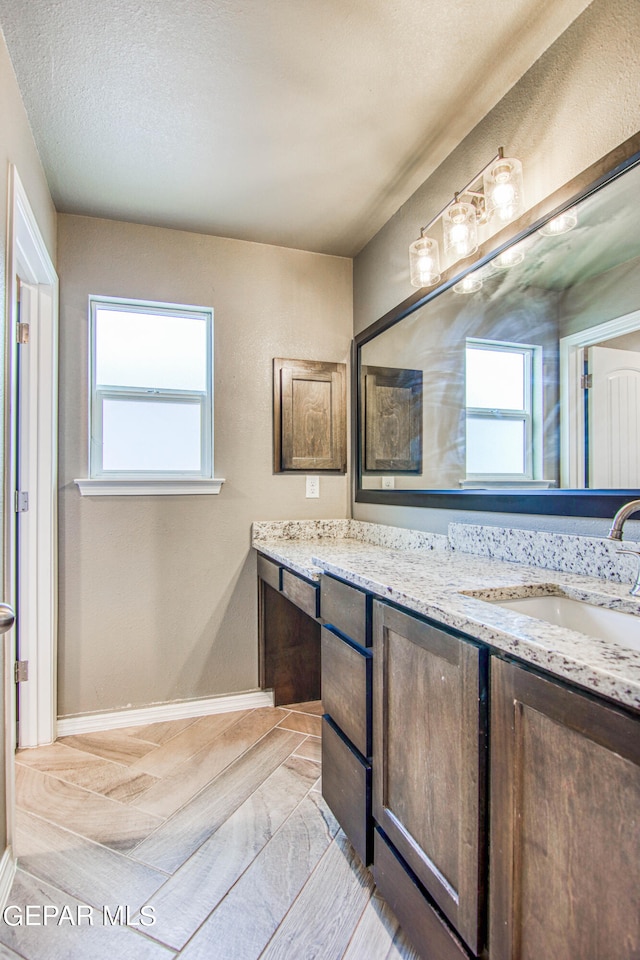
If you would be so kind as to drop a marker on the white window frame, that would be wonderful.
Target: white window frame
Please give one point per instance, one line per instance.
(530, 414)
(102, 482)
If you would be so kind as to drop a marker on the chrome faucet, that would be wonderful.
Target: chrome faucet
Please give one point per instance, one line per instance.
(615, 533)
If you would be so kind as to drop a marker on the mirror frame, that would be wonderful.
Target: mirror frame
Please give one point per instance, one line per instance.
(554, 502)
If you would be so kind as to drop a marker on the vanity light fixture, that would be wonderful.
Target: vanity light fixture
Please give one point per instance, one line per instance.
(563, 223)
(509, 258)
(495, 193)
(460, 230)
(424, 262)
(469, 284)
(503, 189)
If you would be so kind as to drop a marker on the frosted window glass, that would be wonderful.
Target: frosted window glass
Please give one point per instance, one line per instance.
(150, 350)
(495, 446)
(495, 379)
(150, 435)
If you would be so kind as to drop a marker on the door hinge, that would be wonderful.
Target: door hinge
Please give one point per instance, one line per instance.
(22, 330)
(21, 671)
(22, 501)
(586, 381)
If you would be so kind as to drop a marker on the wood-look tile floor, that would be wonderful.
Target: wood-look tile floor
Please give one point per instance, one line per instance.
(214, 827)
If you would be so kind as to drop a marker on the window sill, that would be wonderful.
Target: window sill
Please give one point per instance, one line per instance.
(109, 487)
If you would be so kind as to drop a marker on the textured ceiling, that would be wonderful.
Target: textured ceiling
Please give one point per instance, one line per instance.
(304, 123)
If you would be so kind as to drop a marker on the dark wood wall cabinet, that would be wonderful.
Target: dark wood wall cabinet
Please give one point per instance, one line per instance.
(309, 416)
(497, 807)
(392, 420)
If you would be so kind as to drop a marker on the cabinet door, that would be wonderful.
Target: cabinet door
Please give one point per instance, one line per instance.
(429, 759)
(565, 823)
(309, 415)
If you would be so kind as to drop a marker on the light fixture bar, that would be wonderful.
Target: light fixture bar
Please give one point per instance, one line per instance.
(466, 190)
(494, 193)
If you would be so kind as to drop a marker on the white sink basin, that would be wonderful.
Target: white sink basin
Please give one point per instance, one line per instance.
(623, 628)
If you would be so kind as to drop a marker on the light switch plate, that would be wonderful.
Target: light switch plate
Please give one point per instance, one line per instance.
(313, 487)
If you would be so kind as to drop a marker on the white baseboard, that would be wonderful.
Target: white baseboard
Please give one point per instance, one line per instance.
(7, 873)
(176, 710)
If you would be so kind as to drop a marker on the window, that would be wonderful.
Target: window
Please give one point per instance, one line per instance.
(151, 402)
(502, 401)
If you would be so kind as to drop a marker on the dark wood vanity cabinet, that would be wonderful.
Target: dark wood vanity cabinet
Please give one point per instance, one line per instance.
(288, 634)
(498, 808)
(346, 699)
(429, 753)
(565, 823)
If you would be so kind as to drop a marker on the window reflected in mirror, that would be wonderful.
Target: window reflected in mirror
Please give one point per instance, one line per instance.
(528, 368)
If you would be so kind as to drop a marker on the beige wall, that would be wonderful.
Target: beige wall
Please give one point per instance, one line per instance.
(17, 147)
(158, 594)
(578, 101)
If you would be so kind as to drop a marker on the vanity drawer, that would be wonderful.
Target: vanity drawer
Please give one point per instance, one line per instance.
(304, 594)
(346, 786)
(269, 572)
(346, 608)
(429, 934)
(346, 688)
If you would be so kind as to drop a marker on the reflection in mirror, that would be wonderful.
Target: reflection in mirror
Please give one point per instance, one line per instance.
(525, 375)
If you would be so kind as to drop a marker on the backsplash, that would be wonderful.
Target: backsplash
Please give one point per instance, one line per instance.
(590, 556)
(396, 538)
(300, 529)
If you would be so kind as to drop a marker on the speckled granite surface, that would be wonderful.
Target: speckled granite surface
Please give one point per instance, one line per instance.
(436, 583)
(591, 556)
(384, 536)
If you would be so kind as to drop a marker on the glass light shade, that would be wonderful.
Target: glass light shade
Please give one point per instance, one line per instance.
(509, 258)
(561, 224)
(469, 284)
(503, 189)
(424, 262)
(460, 230)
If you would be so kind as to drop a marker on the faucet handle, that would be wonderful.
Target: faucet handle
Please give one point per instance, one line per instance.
(634, 553)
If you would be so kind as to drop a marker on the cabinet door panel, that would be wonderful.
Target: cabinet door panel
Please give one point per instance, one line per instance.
(565, 823)
(429, 745)
(346, 786)
(346, 688)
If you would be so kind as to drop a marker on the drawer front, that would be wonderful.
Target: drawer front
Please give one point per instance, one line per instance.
(428, 933)
(346, 688)
(346, 786)
(345, 608)
(269, 572)
(304, 594)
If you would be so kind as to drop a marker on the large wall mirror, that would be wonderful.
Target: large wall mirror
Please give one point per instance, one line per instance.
(515, 385)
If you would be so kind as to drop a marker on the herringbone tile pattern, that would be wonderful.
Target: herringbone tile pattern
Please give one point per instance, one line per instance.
(214, 828)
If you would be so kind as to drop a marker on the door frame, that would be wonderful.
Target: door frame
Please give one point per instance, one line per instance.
(572, 452)
(29, 259)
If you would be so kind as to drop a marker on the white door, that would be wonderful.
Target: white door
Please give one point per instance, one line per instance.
(614, 418)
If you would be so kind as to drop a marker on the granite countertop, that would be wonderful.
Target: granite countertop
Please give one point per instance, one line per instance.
(436, 581)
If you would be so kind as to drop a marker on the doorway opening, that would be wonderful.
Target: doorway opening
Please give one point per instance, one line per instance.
(599, 406)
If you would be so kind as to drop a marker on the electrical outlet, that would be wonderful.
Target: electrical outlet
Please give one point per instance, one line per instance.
(313, 487)
(388, 483)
